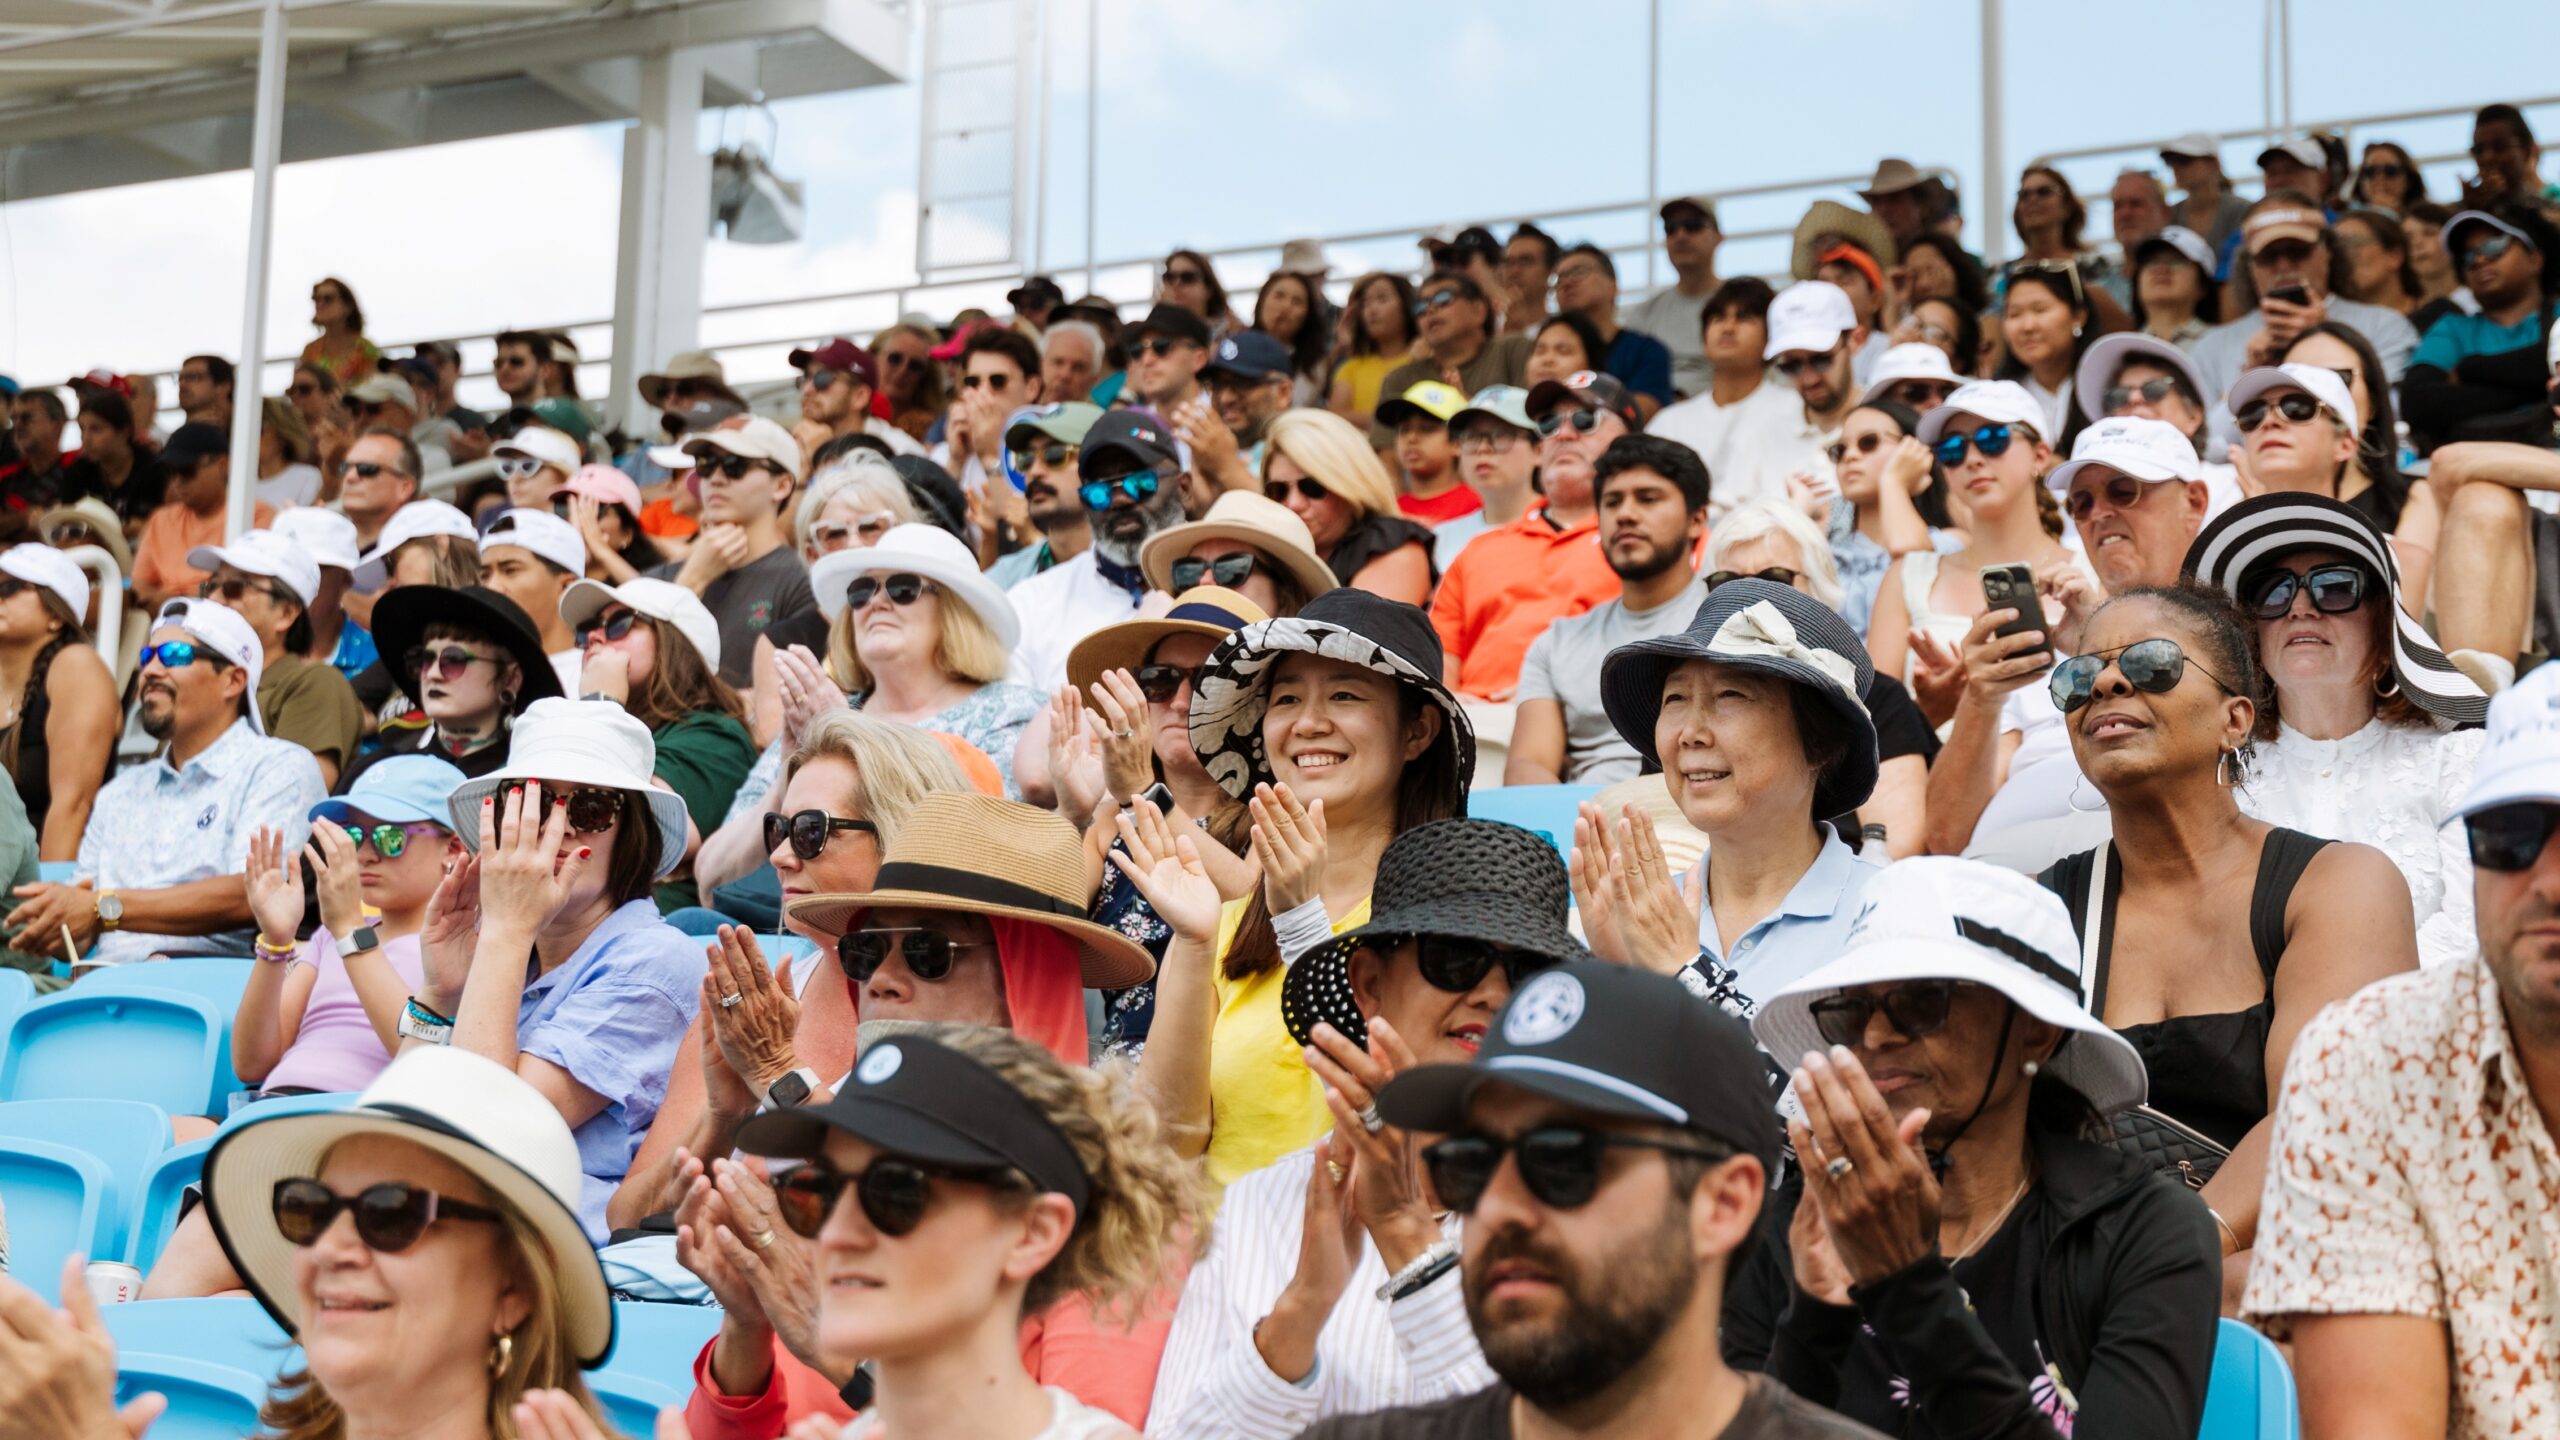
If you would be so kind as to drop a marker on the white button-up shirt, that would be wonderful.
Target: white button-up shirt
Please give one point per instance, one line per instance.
(1060, 606)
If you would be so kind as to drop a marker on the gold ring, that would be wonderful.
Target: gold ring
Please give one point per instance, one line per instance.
(763, 1240)
(1334, 1170)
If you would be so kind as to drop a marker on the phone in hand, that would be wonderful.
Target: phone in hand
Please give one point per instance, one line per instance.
(2013, 587)
(2294, 294)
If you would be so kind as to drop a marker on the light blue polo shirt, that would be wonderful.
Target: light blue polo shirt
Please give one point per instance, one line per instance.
(1807, 931)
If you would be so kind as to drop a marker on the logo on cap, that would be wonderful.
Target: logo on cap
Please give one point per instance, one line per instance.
(1545, 1008)
(879, 1065)
(1226, 349)
(1582, 379)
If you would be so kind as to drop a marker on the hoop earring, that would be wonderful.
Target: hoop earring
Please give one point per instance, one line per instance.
(2073, 799)
(2222, 770)
(2386, 684)
(500, 1354)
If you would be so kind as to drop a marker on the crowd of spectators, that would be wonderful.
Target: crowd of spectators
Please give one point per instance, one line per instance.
(973, 875)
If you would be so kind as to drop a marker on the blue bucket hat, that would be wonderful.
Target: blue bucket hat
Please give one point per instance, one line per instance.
(401, 790)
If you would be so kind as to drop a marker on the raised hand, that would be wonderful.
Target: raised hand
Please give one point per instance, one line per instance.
(1128, 749)
(1288, 845)
(1386, 1186)
(807, 694)
(1075, 756)
(275, 888)
(1652, 919)
(524, 877)
(1881, 1209)
(754, 1031)
(335, 867)
(452, 931)
(1165, 867)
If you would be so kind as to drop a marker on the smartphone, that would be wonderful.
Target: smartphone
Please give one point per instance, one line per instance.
(2013, 587)
(2291, 294)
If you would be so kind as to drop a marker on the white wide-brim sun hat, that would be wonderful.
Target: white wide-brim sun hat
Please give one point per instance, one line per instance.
(578, 743)
(919, 549)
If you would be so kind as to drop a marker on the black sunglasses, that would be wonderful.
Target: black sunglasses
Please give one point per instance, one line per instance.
(1796, 364)
(612, 627)
(903, 589)
(995, 384)
(592, 808)
(1184, 277)
(727, 467)
(1914, 1009)
(1227, 570)
(1865, 444)
(1308, 487)
(2508, 838)
(2491, 247)
(2153, 667)
(1160, 683)
(235, 588)
(2293, 405)
(2149, 392)
(11, 587)
(893, 1194)
(389, 1217)
(1459, 966)
(1778, 573)
(1583, 421)
(1160, 346)
(927, 952)
(446, 662)
(1560, 1164)
(1686, 225)
(808, 831)
(1437, 300)
(2335, 590)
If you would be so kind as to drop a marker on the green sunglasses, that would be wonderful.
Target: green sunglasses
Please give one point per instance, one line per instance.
(388, 840)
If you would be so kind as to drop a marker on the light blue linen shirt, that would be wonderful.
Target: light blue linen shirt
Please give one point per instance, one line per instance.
(157, 825)
(612, 1015)
(1804, 933)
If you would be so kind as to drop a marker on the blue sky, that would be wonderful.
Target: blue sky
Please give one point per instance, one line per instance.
(1230, 123)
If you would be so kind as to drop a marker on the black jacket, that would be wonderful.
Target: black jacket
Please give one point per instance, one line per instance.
(2131, 1290)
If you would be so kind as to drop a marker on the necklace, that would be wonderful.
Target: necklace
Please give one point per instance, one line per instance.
(1993, 1228)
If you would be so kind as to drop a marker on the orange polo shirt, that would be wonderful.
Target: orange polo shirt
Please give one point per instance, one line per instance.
(160, 557)
(1507, 587)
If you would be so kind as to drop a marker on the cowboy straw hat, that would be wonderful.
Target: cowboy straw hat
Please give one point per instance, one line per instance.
(1250, 519)
(579, 743)
(1205, 610)
(1830, 217)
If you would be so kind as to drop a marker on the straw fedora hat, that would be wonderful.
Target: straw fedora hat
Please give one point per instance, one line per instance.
(468, 1109)
(980, 855)
(1830, 217)
(1211, 611)
(1250, 519)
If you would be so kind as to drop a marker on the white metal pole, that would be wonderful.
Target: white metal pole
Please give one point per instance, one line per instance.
(1995, 168)
(2267, 74)
(1652, 134)
(1040, 220)
(2284, 59)
(249, 377)
(1092, 129)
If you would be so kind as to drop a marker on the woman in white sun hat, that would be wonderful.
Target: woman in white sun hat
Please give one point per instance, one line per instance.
(57, 700)
(1966, 1245)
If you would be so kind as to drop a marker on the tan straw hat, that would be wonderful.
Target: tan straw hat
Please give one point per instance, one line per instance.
(1206, 610)
(1249, 519)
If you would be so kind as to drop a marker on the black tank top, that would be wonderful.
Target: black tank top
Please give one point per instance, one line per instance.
(33, 772)
(2207, 1071)
(1374, 535)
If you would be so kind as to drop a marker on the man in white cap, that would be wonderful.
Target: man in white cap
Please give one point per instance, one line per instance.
(1676, 314)
(742, 564)
(532, 557)
(1814, 339)
(160, 865)
(535, 461)
(2206, 204)
(329, 538)
(1739, 398)
(271, 581)
(2405, 1247)
(2286, 246)
(1915, 374)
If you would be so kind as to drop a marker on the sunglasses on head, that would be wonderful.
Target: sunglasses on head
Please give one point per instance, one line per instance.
(836, 534)
(1991, 440)
(1459, 965)
(2149, 392)
(1159, 346)
(2293, 405)
(927, 952)
(1914, 1009)
(727, 467)
(389, 1217)
(2121, 491)
(368, 469)
(1866, 444)
(607, 627)
(1140, 488)
(1055, 454)
(1308, 487)
(2334, 590)
(1801, 361)
(808, 831)
(2153, 667)
(1227, 570)
(2509, 838)
(1160, 683)
(902, 589)
(172, 655)
(893, 1194)
(1583, 421)
(388, 840)
(1559, 1164)
(447, 663)
(1777, 573)
(592, 808)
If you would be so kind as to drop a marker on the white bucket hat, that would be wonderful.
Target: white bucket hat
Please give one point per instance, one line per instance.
(579, 742)
(1940, 918)
(661, 600)
(929, 551)
(466, 1108)
(227, 634)
(276, 556)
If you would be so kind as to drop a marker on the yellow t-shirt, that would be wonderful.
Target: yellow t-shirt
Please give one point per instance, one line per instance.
(1263, 1101)
(1366, 373)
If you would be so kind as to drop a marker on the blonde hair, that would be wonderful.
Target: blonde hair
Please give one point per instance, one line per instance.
(898, 765)
(1334, 452)
(541, 1353)
(868, 477)
(1145, 1199)
(963, 647)
(277, 413)
(457, 561)
(1754, 519)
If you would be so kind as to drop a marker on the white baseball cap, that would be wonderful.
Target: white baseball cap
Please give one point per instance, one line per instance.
(2185, 241)
(661, 600)
(541, 532)
(2152, 451)
(328, 537)
(2520, 760)
(264, 552)
(545, 444)
(227, 634)
(757, 439)
(414, 521)
(52, 569)
(1808, 315)
(2321, 383)
(1914, 361)
(1994, 402)
(2301, 150)
(2194, 145)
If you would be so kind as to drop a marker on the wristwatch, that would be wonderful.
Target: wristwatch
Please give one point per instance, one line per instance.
(358, 941)
(792, 1089)
(110, 910)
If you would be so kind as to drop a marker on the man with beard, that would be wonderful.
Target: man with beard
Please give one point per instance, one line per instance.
(161, 862)
(1609, 1147)
(1814, 339)
(1045, 444)
(1653, 512)
(1130, 483)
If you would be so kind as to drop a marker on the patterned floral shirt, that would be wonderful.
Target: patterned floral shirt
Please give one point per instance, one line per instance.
(2412, 1175)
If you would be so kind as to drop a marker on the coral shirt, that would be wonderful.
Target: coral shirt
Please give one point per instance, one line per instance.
(1507, 587)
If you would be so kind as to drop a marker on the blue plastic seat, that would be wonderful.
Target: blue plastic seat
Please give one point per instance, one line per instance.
(159, 1047)
(57, 1200)
(163, 1193)
(127, 1136)
(206, 1401)
(2250, 1395)
(631, 1403)
(17, 992)
(57, 872)
(231, 1331)
(1548, 810)
(218, 980)
(658, 1342)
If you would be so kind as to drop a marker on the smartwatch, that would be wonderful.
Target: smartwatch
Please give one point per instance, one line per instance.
(358, 941)
(792, 1089)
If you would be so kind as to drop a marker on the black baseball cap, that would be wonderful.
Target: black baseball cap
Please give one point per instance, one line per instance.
(919, 1099)
(1251, 355)
(194, 443)
(1035, 292)
(1619, 1041)
(1133, 434)
(1592, 387)
(1175, 321)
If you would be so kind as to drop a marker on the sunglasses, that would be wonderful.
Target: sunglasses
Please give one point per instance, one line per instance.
(1159, 347)
(1227, 570)
(927, 952)
(71, 532)
(836, 534)
(808, 831)
(903, 589)
(1140, 488)
(1308, 487)
(1916, 1009)
(1437, 300)
(445, 664)
(1184, 277)
(1459, 966)
(819, 379)
(2385, 170)
(2491, 247)
(1777, 573)
(727, 467)
(608, 628)
(2149, 392)
(389, 1217)
(2509, 838)
(1798, 363)
(2282, 255)
(2334, 589)
(1920, 394)
(1866, 444)
(172, 655)
(388, 840)
(516, 467)
(1687, 225)
(1559, 1164)
(11, 587)
(368, 469)
(1991, 440)
(592, 808)
(2293, 406)
(995, 384)
(235, 588)
(302, 390)
(2039, 192)
(1489, 436)
(1160, 683)
(2121, 491)
(2153, 667)
(1057, 455)
(893, 1194)
(1583, 421)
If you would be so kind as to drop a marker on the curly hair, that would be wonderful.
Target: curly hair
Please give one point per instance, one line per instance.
(1146, 1200)
(2211, 618)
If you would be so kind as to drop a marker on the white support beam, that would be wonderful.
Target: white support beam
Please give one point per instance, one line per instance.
(266, 138)
(666, 217)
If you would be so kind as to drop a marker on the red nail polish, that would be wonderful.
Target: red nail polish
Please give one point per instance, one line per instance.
(585, 850)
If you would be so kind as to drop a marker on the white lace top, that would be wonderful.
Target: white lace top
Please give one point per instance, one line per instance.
(2394, 787)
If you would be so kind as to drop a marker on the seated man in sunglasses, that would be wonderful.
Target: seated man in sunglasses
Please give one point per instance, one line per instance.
(1129, 475)
(271, 581)
(1953, 1256)
(160, 864)
(1327, 1287)
(1607, 1156)
(743, 564)
(2401, 1224)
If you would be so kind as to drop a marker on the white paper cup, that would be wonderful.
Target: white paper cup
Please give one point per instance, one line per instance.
(113, 1283)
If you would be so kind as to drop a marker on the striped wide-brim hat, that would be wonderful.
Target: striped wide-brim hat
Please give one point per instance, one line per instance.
(2255, 533)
